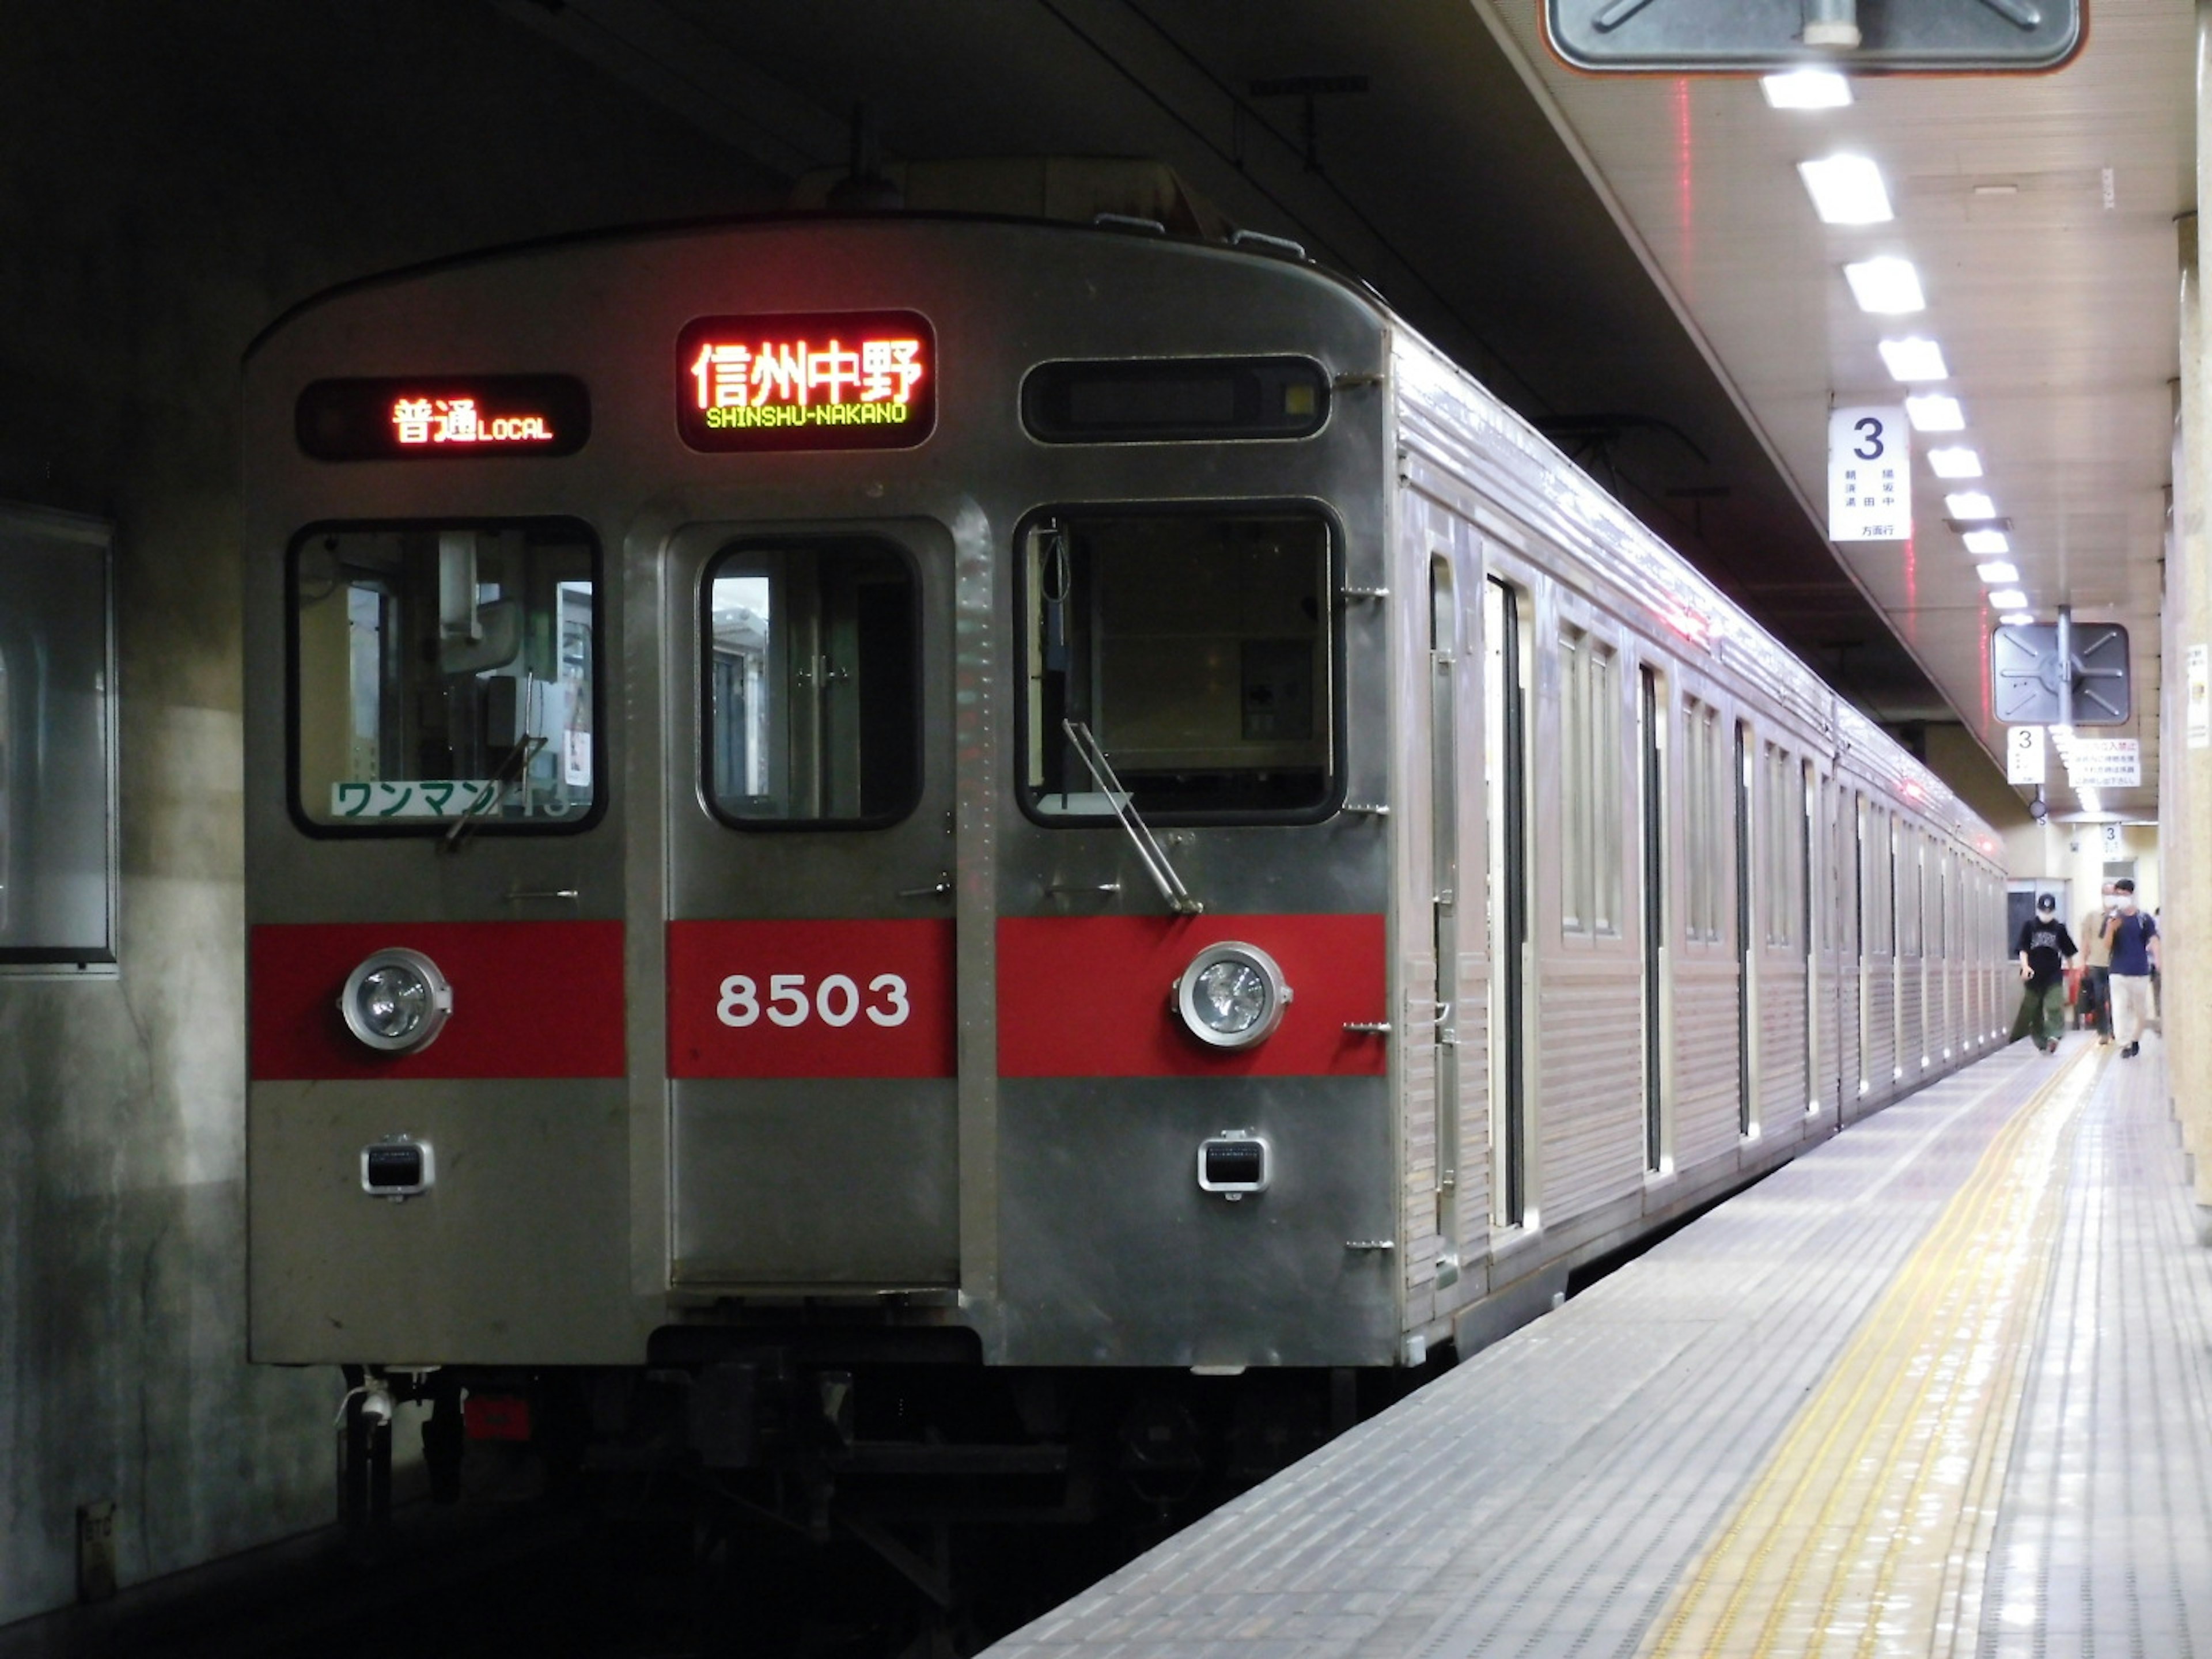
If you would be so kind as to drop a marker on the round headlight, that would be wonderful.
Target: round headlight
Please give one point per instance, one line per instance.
(397, 1002)
(1232, 995)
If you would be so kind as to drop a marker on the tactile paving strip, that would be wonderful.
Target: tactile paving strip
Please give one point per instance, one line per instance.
(1550, 1496)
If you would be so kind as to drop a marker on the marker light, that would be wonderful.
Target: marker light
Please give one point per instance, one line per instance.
(397, 1002)
(1846, 190)
(1806, 89)
(1934, 412)
(2007, 598)
(1971, 504)
(1997, 570)
(2017, 618)
(1232, 995)
(1983, 542)
(1914, 359)
(1955, 463)
(1886, 285)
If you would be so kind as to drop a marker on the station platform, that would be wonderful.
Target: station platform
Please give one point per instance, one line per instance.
(1943, 1386)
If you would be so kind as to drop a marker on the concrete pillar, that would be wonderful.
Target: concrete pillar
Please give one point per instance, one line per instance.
(2185, 773)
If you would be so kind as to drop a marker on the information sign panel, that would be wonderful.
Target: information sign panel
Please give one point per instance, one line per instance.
(2024, 755)
(2103, 763)
(2198, 681)
(1870, 476)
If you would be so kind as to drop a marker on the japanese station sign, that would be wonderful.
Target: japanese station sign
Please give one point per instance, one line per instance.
(2101, 763)
(1870, 476)
(2024, 759)
(844, 380)
(442, 416)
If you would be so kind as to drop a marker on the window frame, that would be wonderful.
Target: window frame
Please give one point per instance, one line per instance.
(417, 829)
(703, 637)
(1331, 801)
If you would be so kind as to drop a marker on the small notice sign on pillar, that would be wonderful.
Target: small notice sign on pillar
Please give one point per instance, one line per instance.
(2199, 683)
(2024, 755)
(1870, 476)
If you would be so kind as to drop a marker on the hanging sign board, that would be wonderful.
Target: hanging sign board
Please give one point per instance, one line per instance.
(1870, 476)
(2199, 683)
(2024, 755)
(2103, 763)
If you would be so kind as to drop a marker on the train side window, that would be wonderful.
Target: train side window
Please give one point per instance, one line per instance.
(1704, 844)
(445, 671)
(1590, 785)
(1197, 648)
(813, 653)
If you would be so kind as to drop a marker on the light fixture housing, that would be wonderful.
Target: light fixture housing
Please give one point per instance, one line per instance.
(1956, 463)
(1232, 995)
(1807, 88)
(396, 1001)
(1846, 190)
(2007, 598)
(1914, 358)
(1997, 571)
(2017, 618)
(1970, 504)
(1987, 543)
(1886, 285)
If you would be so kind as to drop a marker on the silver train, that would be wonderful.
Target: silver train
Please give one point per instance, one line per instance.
(872, 839)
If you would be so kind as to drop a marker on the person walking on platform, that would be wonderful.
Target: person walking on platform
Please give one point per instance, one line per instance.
(2045, 947)
(2134, 938)
(2093, 1005)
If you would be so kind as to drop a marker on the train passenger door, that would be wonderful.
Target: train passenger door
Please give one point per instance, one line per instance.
(1505, 776)
(1443, 908)
(811, 992)
(1651, 746)
(1747, 1001)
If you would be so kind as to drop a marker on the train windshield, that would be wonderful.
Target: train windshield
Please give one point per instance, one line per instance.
(1195, 648)
(443, 673)
(813, 693)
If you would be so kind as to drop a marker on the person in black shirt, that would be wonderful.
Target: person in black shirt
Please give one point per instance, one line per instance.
(2045, 947)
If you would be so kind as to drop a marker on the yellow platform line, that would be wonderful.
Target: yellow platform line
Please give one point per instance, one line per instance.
(1867, 1533)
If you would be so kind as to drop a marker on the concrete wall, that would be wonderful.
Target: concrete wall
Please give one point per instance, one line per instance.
(171, 178)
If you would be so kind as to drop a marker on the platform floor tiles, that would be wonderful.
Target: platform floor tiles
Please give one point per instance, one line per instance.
(1943, 1386)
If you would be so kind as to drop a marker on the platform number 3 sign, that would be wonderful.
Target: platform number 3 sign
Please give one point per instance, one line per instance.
(1870, 476)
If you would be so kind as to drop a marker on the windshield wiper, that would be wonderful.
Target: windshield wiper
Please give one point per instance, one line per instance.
(1149, 851)
(512, 766)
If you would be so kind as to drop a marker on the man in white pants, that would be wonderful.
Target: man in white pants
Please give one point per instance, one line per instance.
(2133, 938)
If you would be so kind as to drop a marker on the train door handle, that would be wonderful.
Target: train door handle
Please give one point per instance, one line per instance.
(937, 888)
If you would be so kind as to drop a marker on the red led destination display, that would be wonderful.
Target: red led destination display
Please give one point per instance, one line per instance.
(443, 416)
(864, 379)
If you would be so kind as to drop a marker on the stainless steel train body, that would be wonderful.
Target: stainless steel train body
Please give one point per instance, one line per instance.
(754, 791)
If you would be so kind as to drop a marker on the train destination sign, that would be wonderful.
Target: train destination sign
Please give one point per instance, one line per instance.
(836, 381)
(443, 417)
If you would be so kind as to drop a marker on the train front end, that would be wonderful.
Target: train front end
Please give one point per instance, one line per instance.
(814, 889)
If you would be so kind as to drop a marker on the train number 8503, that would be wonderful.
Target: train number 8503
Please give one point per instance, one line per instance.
(837, 1001)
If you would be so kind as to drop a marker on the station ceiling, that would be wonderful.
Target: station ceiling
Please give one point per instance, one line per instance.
(1631, 262)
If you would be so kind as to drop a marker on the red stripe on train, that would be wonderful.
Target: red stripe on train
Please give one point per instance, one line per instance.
(530, 999)
(1088, 996)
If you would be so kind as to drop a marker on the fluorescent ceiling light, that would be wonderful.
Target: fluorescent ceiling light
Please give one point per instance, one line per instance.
(1806, 89)
(1971, 504)
(1955, 463)
(1982, 543)
(1934, 412)
(1914, 359)
(1997, 570)
(2007, 598)
(1885, 285)
(1846, 190)
(2090, 799)
(2017, 618)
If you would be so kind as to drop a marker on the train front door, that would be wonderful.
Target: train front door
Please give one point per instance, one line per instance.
(812, 991)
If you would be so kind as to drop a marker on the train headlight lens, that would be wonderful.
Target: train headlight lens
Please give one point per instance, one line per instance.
(397, 1002)
(1232, 995)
